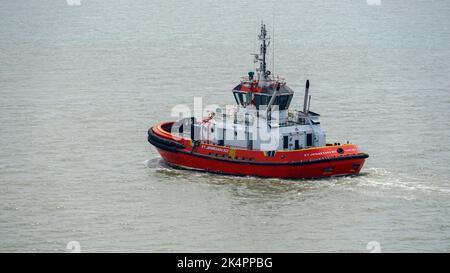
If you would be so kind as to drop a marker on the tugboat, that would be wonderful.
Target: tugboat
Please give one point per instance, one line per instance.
(259, 136)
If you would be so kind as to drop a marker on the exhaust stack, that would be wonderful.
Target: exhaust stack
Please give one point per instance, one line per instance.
(305, 102)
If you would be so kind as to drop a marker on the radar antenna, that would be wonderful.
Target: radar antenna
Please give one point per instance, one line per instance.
(260, 57)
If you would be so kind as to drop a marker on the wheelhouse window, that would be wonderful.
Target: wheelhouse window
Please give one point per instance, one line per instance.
(283, 101)
(242, 98)
(261, 100)
(236, 97)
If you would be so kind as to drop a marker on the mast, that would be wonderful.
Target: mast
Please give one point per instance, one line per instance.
(263, 73)
(263, 51)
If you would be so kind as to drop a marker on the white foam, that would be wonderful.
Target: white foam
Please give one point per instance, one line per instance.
(384, 178)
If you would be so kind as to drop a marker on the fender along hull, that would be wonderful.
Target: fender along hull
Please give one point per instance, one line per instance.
(341, 167)
(307, 163)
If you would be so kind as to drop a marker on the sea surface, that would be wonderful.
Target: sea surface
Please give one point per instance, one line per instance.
(81, 84)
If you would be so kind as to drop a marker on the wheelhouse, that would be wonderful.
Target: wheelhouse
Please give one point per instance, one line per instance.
(261, 99)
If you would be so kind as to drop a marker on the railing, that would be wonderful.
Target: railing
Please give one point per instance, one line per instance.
(273, 82)
(236, 116)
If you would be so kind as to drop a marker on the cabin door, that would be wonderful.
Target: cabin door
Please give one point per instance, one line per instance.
(250, 142)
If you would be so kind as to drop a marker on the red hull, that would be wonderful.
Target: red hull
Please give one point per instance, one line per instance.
(315, 170)
(327, 161)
